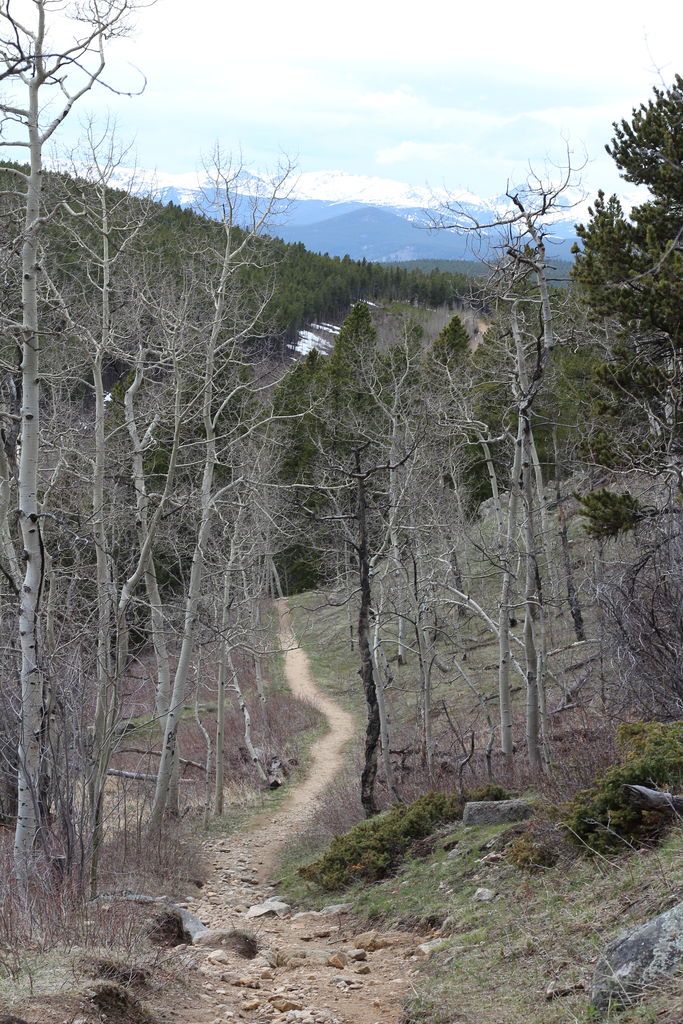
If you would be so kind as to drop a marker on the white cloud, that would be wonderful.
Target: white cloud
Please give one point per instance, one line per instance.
(464, 93)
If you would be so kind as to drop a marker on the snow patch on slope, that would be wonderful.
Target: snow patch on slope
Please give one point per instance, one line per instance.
(317, 336)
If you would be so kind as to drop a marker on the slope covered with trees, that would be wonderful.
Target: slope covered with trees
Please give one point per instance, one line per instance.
(165, 472)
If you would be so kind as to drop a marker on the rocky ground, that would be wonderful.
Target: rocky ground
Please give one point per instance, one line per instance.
(310, 968)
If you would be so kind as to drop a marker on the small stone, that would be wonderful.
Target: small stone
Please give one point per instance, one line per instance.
(218, 956)
(214, 937)
(337, 960)
(357, 954)
(284, 1003)
(427, 948)
(370, 941)
(251, 1004)
(483, 895)
(273, 906)
(363, 969)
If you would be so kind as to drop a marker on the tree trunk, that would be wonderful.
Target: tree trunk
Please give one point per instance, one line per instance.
(572, 593)
(382, 674)
(32, 712)
(531, 606)
(372, 732)
(505, 606)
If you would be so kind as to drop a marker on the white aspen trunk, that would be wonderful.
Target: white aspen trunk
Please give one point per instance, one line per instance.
(531, 609)
(157, 618)
(165, 796)
(220, 713)
(426, 675)
(401, 647)
(572, 593)
(495, 492)
(246, 717)
(31, 674)
(258, 667)
(107, 702)
(207, 764)
(505, 604)
(27, 60)
(423, 656)
(551, 568)
(381, 678)
(394, 498)
(169, 751)
(7, 502)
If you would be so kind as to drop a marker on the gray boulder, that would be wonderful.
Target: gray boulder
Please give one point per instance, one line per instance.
(637, 958)
(269, 906)
(483, 895)
(496, 812)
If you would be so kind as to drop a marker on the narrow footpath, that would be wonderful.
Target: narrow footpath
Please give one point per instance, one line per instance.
(311, 968)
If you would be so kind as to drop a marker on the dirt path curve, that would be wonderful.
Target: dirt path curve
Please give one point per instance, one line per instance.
(327, 753)
(310, 969)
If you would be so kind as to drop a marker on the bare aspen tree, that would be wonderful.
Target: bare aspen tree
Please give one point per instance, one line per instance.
(42, 82)
(525, 257)
(223, 354)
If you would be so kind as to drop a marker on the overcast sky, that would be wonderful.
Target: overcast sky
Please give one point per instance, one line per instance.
(457, 94)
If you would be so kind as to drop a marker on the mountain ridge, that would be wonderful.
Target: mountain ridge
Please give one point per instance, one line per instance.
(371, 218)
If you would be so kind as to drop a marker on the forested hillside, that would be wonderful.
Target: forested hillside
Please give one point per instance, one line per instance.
(479, 531)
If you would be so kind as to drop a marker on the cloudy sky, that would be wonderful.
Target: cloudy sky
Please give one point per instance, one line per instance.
(462, 95)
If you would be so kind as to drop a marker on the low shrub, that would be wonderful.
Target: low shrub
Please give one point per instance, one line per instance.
(601, 818)
(528, 854)
(490, 792)
(373, 849)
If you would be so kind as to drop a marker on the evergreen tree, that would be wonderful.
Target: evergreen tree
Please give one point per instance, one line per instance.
(451, 344)
(630, 268)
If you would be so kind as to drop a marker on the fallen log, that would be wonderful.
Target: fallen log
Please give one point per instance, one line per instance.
(119, 773)
(653, 799)
(157, 753)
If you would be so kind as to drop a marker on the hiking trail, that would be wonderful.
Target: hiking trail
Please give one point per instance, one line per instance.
(311, 968)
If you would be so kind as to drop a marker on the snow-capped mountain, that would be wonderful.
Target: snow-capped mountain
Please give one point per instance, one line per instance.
(374, 218)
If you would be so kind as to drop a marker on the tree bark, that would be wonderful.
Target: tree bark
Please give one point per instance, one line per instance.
(31, 726)
(372, 731)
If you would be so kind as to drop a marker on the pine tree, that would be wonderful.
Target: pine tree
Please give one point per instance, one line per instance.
(451, 345)
(630, 268)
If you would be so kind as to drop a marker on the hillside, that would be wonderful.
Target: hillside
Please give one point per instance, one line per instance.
(339, 581)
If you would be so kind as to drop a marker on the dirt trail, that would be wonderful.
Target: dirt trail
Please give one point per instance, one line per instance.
(309, 969)
(269, 833)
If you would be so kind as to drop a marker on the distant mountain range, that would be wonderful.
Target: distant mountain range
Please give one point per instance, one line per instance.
(377, 219)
